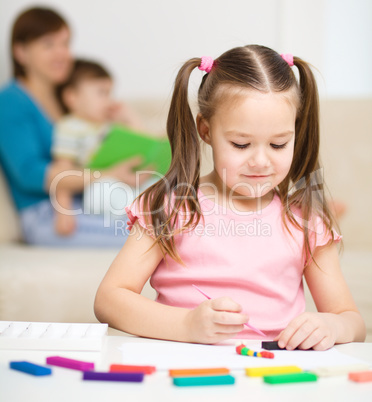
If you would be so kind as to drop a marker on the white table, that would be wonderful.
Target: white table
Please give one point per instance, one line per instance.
(67, 385)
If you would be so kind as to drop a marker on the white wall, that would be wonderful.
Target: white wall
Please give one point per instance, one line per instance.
(144, 42)
(348, 48)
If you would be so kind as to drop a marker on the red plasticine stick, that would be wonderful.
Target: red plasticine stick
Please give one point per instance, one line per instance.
(123, 368)
(361, 376)
(268, 355)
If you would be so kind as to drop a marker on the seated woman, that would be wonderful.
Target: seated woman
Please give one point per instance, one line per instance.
(29, 108)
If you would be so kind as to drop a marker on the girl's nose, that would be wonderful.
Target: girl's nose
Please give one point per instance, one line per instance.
(258, 158)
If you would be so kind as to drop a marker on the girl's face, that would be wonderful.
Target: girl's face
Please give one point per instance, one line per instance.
(47, 57)
(252, 139)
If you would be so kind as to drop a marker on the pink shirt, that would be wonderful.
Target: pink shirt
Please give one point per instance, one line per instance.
(250, 258)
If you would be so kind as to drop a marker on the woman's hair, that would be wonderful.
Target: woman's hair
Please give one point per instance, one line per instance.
(254, 68)
(81, 70)
(30, 25)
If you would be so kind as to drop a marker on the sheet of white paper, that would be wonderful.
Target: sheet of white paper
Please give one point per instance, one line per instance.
(166, 355)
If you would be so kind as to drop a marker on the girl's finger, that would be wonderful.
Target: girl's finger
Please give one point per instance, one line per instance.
(228, 329)
(228, 318)
(313, 339)
(225, 304)
(324, 344)
(299, 336)
(291, 329)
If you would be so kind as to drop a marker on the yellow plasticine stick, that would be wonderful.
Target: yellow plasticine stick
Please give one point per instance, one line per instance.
(261, 371)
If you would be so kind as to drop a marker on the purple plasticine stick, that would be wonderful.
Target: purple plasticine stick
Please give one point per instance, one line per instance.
(69, 363)
(246, 324)
(99, 376)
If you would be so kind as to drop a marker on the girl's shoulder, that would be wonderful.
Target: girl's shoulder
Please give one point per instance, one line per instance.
(319, 232)
(136, 212)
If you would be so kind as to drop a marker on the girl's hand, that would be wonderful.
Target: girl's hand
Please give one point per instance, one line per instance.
(309, 330)
(215, 320)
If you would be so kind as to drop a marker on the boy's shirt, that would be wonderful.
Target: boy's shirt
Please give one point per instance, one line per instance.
(77, 139)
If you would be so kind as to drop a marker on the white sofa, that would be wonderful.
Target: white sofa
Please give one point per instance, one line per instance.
(54, 284)
(48, 284)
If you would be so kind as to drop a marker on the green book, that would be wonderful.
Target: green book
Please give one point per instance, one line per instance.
(122, 143)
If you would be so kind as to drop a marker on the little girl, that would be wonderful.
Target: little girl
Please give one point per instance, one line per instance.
(247, 232)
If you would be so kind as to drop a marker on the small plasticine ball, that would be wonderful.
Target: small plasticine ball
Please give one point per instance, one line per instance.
(268, 355)
(239, 349)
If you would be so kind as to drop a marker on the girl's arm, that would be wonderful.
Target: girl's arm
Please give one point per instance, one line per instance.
(338, 319)
(119, 302)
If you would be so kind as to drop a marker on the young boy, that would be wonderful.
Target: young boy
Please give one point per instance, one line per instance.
(86, 97)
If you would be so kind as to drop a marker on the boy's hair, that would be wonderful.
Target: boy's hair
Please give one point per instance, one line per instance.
(81, 70)
(253, 68)
(30, 25)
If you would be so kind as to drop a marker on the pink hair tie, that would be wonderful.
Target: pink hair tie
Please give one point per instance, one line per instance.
(206, 64)
(288, 57)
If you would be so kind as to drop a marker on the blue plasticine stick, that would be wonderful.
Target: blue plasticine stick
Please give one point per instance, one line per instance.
(30, 368)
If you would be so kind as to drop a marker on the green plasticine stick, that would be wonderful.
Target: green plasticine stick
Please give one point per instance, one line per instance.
(287, 378)
(204, 380)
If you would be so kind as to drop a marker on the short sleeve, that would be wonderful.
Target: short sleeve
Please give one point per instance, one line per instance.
(135, 213)
(320, 235)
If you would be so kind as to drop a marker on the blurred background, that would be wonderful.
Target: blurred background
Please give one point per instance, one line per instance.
(144, 42)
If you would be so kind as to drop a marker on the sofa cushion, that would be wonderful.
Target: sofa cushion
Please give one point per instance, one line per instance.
(49, 284)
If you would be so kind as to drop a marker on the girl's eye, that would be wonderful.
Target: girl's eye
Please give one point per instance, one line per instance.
(275, 146)
(240, 146)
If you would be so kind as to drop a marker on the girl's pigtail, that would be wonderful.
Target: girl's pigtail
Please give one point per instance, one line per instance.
(306, 177)
(307, 123)
(182, 132)
(181, 182)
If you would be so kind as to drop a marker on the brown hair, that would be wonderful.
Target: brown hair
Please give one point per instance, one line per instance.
(81, 70)
(30, 25)
(250, 67)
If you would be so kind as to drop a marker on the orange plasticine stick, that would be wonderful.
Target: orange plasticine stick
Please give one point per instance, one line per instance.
(198, 371)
